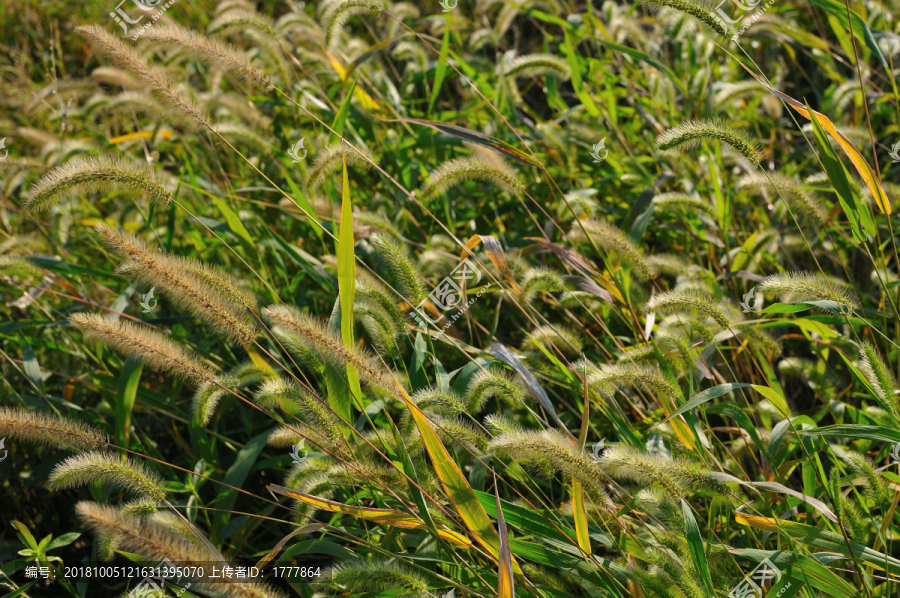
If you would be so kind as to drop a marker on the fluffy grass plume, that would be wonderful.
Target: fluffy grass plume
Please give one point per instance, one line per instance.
(151, 348)
(687, 302)
(548, 452)
(459, 170)
(690, 133)
(377, 576)
(125, 474)
(206, 292)
(90, 175)
(493, 383)
(438, 400)
(241, 20)
(699, 9)
(212, 51)
(20, 264)
(49, 429)
(330, 159)
(608, 377)
(880, 377)
(545, 280)
(609, 237)
(330, 346)
(126, 57)
(563, 338)
(668, 264)
(807, 286)
(456, 431)
(242, 136)
(155, 542)
(876, 488)
(402, 266)
(207, 397)
(733, 91)
(538, 64)
(791, 189)
(644, 469)
(683, 201)
(338, 12)
(374, 293)
(115, 77)
(315, 411)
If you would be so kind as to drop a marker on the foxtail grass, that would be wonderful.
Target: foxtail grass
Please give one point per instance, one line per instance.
(689, 134)
(49, 429)
(156, 543)
(493, 383)
(403, 268)
(330, 159)
(330, 346)
(609, 237)
(376, 576)
(793, 192)
(807, 286)
(206, 292)
(341, 10)
(688, 302)
(538, 64)
(162, 85)
(125, 474)
(548, 452)
(91, 175)
(700, 10)
(151, 348)
(459, 170)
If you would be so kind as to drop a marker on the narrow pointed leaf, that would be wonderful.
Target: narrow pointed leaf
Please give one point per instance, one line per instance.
(346, 270)
(455, 484)
(385, 516)
(865, 171)
(506, 583)
(695, 544)
(856, 214)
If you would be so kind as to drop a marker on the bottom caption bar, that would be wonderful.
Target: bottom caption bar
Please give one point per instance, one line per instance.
(181, 574)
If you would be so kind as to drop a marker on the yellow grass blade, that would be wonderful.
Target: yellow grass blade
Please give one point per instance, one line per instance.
(865, 171)
(385, 516)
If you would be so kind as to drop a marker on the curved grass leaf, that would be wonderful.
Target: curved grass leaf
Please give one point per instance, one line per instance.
(472, 137)
(695, 544)
(385, 516)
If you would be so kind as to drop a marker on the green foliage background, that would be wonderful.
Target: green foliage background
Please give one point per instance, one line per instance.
(617, 282)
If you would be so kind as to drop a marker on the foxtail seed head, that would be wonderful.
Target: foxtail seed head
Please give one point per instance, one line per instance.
(88, 175)
(690, 133)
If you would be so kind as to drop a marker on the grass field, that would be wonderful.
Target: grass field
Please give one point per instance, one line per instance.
(375, 299)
